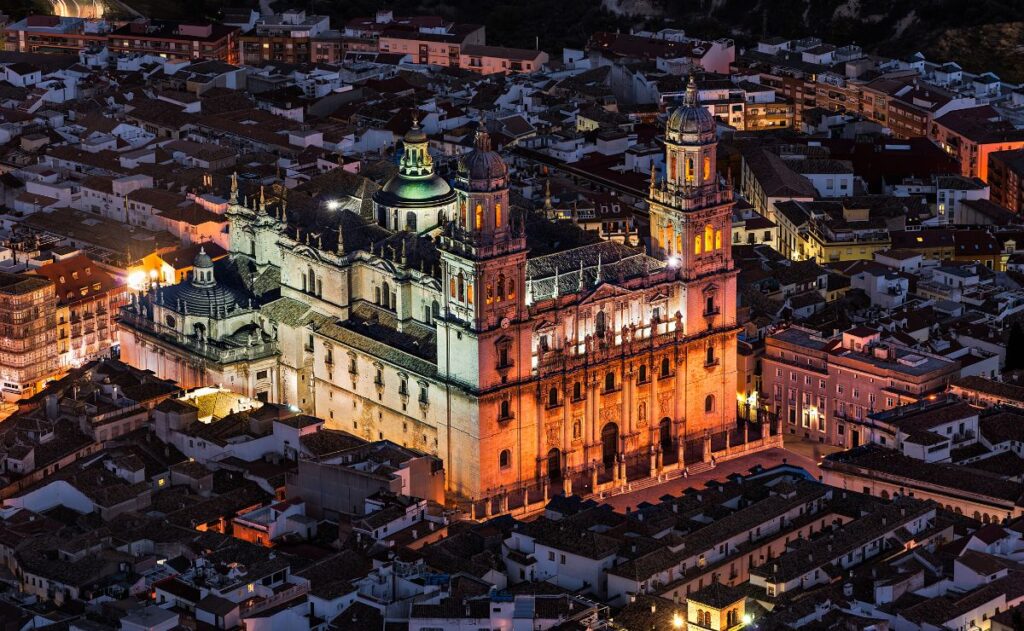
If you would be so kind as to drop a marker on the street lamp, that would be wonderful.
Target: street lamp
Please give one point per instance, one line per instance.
(333, 204)
(677, 621)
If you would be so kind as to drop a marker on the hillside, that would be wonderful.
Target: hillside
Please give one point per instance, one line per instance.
(980, 34)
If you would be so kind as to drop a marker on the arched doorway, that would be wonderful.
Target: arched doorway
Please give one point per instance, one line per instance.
(609, 444)
(554, 464)
(665, 435)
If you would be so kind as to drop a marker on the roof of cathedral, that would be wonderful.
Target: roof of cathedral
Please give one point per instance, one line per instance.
(373, 331)
(216, 300)
(416, 185)
(605, 261)
(690, 118)
(402, 190)
(483, 163)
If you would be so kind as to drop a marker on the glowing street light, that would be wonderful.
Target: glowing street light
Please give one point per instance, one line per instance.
(333, 204)
(677, 621)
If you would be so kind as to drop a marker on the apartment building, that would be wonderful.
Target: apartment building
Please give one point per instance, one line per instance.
(824, 389)
(972, 134)
(88, 299)
(1006, 179)
(286, 38)
(500, 60)
(438, 47)
(28, 335)
(176, 40)
(52, 33)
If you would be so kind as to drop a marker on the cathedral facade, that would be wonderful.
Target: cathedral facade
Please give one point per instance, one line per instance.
(442, 319)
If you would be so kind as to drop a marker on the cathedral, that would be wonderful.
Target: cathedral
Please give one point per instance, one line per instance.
(436, 316)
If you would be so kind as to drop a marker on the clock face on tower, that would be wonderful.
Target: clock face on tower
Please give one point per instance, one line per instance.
(505, 323)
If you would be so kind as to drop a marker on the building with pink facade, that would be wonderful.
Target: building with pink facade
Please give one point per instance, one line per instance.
(824, 389)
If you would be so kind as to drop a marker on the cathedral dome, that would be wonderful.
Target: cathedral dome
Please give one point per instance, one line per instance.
(202, 260)
(402, 190)
(691, 119)
(416, 185)
(202, 295)
(483, 163)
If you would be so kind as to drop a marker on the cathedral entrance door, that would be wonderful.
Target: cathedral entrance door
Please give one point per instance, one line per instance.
(554, 465)
(665, 433)
(609, 444)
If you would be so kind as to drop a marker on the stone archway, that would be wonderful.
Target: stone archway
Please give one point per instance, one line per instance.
(665, 436)
(609, 444)
(554, 464)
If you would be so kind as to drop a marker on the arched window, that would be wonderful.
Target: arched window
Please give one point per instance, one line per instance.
(553, 397)
(501, 287)
(385, 294)
(462, 214)
(700, 616)
(609, 381)
(599, 324)
(505, 459)
(435, 309)
(311, 283)
(718, 239)
(462, 286)
(666, 367)
(710, 359)
(504, 411)
(707, 168)
(689, 170)
(709, 403)
(672, 166)
(709, 304)
(642, 377)
(497, 215)
(489, 293)
(479, 216)
(696, 245)
(427, 315)
(511, 289)
(709, 238)
(410, 221)
(577, 391)
(451, 289)
(469, 293)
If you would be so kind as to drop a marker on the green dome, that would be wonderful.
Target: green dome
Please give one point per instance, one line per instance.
(403, 190)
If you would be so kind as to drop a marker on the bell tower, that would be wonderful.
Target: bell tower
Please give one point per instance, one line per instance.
(483, 254)
(690, 210)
